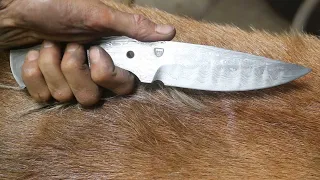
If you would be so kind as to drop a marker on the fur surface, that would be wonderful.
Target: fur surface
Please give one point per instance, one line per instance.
(173, 133)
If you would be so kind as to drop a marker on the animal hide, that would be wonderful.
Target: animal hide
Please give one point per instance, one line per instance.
(168, 133)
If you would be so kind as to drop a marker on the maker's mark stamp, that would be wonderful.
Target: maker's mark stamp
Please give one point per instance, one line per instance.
(158, 52)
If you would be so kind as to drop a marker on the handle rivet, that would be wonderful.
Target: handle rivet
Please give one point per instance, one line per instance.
(130, 54)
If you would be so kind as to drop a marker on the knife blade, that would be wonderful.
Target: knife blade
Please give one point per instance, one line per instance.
(188, 66)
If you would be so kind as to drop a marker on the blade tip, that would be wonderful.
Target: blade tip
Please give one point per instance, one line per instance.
(305, 71)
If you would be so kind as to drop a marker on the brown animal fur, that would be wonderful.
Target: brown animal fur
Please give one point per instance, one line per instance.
(174, 134)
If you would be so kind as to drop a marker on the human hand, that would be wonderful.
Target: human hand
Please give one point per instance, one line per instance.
(25, 22)
(50, 74)
(47, 74)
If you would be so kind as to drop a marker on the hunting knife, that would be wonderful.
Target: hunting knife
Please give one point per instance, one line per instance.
(190, 66)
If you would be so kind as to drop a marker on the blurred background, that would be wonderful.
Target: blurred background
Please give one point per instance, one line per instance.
(270, 15)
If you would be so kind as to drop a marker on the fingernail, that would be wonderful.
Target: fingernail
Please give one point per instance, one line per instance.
(33, 55)
(164, 29)
(72, 47)
(47, 44)
(94, 54)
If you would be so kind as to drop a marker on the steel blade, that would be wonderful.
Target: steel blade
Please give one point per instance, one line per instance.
(200, 67)
(189, 65)
(229, 77)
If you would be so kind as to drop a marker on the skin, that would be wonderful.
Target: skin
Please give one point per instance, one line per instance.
(49, 73)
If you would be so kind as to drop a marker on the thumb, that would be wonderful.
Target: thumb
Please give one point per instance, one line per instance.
(133, 25)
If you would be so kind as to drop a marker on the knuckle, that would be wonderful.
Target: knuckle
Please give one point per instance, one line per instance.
(68, 64)
(125, 89)
(127, 86)
(71, 63)
(99, 18)
(42, 97)
(88, 99)
(142, 26)
(62, 95)
(140, 33)
(31, 72)
(140, 20)
(103, 77)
